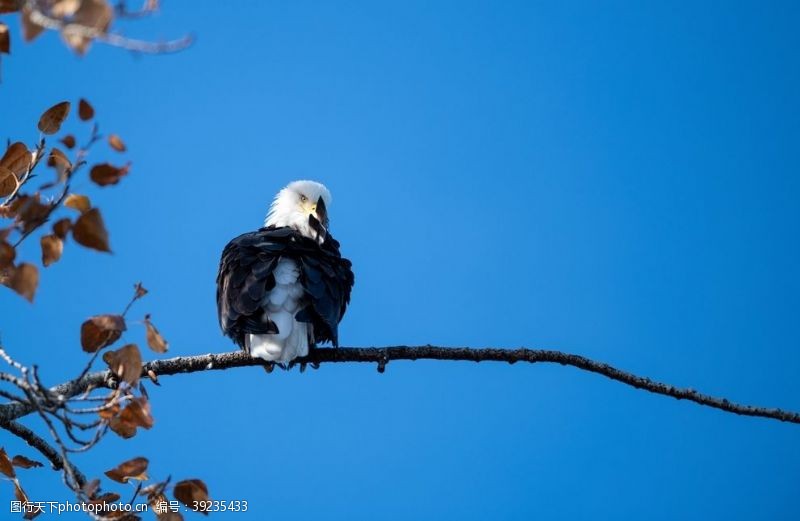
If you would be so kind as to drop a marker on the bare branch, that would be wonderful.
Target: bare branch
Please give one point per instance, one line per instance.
(383, 355)
(38, 443)
(11, 396)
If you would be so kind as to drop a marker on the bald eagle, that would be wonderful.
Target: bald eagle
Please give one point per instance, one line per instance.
(285, 287)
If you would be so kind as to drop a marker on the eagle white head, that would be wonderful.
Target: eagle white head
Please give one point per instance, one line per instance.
(302, 205)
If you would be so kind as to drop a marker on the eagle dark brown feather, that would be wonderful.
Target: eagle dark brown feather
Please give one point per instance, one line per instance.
(245, 279)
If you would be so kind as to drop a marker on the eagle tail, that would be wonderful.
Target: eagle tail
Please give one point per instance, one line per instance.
(290, 342)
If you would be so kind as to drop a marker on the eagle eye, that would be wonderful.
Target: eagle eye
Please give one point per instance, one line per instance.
(303, 198)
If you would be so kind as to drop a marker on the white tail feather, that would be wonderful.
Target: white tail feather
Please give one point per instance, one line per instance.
(291, 341)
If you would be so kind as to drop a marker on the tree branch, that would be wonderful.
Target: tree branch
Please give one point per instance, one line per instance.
(40, 18)
(38, 443)
(383, 355)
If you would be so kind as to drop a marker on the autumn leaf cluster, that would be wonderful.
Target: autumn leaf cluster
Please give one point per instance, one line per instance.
(80, 23)
(36, 200)
(24, 211)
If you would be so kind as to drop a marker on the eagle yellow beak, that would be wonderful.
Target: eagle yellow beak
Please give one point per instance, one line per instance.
(320, 211)
(318, 217)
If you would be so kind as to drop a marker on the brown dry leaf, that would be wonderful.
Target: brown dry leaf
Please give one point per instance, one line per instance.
(57, 157)
(8, 6)
(126, 363)
(108, 497)
(24, 280)
(135, 414)
(90, 231)
(155, 341)
(5, 41)
(52, 247)
(90, 488)
(59, 160)
(106, 174)
(30, 30)
(96, 14)
(122, 428)
(116, 143)
(30, 211)
(25, 463)
(19, 494)
(139, 291)
(61, 227)
(5, 464)
(100, 331)
(109, 412)
(17, 158)
(64, 8)
(7, 254)
(8, 182)
(135, 468)
(190, 490)
(75, 40)
(85, 110)
(69, 141)
(22, 497)
(78, 202)
(51, 120)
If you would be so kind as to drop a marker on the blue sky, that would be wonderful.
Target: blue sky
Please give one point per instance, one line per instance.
(615, 179)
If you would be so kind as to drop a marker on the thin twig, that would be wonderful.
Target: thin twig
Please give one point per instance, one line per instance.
(148, 8)
(38, 17)
(10, 378)
(11, 396)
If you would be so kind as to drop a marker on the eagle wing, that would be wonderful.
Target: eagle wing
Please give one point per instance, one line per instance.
(327, 279)
(245, 279)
